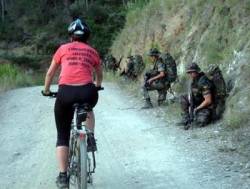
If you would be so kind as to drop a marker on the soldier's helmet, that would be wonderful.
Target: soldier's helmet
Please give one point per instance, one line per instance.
(193, 67)
(130, 57)
(154, 52)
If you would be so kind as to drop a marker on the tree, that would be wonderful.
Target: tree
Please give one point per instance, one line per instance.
(3, 10)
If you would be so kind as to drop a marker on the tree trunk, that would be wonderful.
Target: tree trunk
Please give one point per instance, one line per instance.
(2, 10)
(87, 4)
(66, 3)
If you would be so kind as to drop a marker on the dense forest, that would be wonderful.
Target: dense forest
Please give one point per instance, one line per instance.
(30, 31)
(44, 23)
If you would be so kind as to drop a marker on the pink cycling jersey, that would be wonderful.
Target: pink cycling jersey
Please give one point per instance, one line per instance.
(78, 61)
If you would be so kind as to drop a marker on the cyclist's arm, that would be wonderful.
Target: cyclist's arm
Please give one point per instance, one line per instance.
(49, 76)
(99, 75)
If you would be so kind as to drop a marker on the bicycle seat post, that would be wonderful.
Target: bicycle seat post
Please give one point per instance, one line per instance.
(81, 114)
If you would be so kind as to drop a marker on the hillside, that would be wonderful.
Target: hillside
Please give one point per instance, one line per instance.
(207, 32)
(31, 31)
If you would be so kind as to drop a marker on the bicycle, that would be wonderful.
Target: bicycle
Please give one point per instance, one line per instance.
(82, 163)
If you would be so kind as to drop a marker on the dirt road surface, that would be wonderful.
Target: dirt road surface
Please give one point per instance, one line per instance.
(136, 149)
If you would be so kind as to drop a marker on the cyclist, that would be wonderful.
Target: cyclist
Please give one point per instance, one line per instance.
(78, 60)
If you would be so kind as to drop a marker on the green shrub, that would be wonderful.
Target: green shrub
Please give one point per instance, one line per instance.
(237, 120)
(12, 76)
(25, 61)
(8, 71)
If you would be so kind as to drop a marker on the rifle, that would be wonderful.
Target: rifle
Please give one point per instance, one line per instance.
(149, 75)
(190, 108)
(119, 62)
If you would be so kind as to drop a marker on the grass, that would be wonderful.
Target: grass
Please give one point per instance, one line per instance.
(25, 61)
(11, 76)
(236, 120)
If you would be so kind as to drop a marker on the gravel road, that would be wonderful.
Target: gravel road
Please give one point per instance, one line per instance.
(136, 149)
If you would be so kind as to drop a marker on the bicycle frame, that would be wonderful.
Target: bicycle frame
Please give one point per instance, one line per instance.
(78, 136)
(81, 166)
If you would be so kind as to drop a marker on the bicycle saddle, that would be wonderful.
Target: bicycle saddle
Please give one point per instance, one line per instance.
(81, 112)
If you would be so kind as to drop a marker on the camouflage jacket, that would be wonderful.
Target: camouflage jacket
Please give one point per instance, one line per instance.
(201, 86)
(158, 67)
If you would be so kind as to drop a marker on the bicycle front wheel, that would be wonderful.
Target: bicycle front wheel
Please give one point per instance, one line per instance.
(82, 163)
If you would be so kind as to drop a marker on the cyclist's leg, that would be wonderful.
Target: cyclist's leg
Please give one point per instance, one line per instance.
(63, 116)
(90, 122)
(88, 94)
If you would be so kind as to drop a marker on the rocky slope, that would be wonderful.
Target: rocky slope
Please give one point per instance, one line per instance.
(208, 32)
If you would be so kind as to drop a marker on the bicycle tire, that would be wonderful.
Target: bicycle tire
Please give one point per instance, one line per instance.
(73, 157)
(82, 162)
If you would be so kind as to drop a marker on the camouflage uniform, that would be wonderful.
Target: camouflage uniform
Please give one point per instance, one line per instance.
(138, 65)
(200, 86)
(135, 66)
(130, 67)
(110, 63)
(161, 85)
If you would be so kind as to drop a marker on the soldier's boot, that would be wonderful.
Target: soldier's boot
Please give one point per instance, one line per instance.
(185, 121)
(147, 104)
(162, 94)
(160, 102)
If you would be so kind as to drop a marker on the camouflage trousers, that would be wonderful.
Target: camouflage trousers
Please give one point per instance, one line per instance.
(161, 87)
(201, 118)
(220, 108)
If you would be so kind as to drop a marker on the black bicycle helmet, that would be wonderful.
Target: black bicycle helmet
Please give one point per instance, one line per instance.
(79, 28)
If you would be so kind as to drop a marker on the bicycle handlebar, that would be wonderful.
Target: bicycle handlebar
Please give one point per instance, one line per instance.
(50, 94)
(99, 88)
(54, 94)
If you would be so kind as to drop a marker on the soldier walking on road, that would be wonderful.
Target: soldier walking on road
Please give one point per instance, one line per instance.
(155, 79)
(198, 105)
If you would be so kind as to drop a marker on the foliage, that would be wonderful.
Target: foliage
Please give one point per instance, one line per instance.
(51, 18)
(25, 61)
(11, 77)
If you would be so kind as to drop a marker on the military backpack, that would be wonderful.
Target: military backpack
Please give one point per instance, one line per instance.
(215, 75)
(171, 67)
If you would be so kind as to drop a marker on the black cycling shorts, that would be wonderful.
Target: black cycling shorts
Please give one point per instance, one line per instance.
(64, 112)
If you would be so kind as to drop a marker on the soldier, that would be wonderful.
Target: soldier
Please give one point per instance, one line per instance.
(138, 65)
(197, 106)
(155, 79)
(135, 66)
(110, 63)
(129, 65)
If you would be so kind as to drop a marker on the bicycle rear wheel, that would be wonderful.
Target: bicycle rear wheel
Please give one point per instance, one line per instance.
(78, 169)
(82, 162)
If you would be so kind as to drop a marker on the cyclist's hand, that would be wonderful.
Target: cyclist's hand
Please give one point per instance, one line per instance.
(98, 88)
(45, 93)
